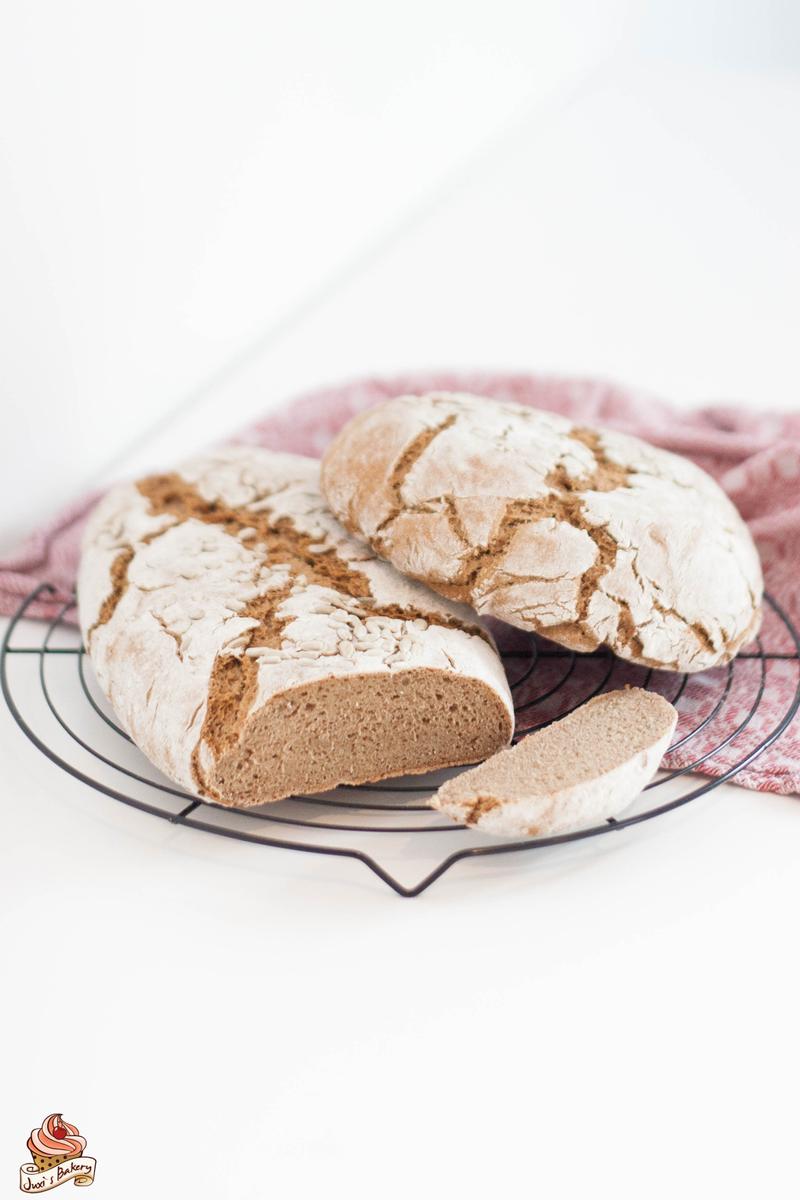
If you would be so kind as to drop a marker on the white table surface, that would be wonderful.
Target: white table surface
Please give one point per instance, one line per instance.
(613, 1018)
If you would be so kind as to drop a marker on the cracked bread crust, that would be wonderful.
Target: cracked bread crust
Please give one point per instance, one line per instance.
(254, 650)
(588, 537)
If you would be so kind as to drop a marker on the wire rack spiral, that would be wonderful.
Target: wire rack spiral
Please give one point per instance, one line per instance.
(50, 690)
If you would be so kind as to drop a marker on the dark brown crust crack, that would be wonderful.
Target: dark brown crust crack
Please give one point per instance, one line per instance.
(628, 634)
(284, 543)
(607, 475)
(481, 568)
(700, 632)
(118, 575)
(233, 683)
(411, 454)
(480, 807)
(697, 629)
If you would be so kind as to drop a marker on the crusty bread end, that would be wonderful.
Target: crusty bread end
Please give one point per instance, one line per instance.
(585, 768)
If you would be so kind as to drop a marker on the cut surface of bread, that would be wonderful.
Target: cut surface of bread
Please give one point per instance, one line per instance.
(585, 768)
(587, 536)
(360, 728)
(253, 649)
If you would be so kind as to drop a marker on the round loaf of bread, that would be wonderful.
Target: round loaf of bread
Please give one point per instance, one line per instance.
(253, 650)
(586, 536)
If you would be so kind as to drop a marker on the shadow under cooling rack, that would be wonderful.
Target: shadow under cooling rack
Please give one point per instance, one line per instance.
(727, 718)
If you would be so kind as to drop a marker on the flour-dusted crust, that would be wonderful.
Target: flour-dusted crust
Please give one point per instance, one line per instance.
(581, 770)
(587, 536)
(253, 650)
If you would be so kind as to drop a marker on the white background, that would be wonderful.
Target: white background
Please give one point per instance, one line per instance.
(204, 208)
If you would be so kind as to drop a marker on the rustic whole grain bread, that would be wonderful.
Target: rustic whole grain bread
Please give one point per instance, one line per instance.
(253, 650)
(586, 536)
(585, 768)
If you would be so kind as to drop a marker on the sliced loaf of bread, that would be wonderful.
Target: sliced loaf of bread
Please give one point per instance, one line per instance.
(253, 650)
(585, 768)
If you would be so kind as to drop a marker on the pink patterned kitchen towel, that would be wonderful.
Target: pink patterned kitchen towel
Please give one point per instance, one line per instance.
(754, 456)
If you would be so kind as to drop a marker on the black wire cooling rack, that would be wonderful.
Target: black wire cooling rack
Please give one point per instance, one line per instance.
(51, 692)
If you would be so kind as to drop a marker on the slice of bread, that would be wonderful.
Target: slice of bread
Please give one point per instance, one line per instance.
(580, 770)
